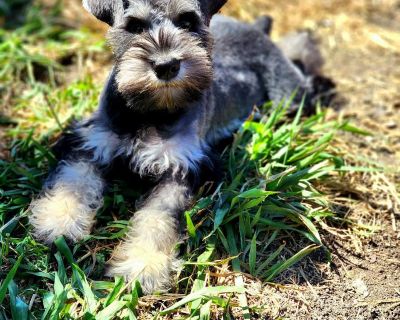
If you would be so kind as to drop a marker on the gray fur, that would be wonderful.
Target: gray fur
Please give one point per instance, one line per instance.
(249, 69)
(162, 128)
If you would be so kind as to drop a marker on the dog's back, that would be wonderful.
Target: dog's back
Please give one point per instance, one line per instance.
(250, 69)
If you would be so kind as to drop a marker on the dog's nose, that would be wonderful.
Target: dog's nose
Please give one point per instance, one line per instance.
(167, 70)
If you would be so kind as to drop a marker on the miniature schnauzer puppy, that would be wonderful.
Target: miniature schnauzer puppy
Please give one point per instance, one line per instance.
(181, 83)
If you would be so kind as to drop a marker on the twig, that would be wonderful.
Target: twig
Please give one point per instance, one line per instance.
(53, 112)
(378, 302)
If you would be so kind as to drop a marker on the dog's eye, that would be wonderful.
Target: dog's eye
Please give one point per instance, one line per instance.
(136, 26)
(188, 21)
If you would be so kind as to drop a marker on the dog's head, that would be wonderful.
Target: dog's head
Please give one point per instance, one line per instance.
(162, 49)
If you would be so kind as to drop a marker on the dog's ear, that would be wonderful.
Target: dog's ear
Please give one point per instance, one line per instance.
(211, 7)
(215, 5)
(104, 10)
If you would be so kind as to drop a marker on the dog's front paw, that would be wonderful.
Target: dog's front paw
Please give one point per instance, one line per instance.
(151, 268)
(61, 213)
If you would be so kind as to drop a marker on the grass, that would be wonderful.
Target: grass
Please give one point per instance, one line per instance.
(267, 199)
(262, 220)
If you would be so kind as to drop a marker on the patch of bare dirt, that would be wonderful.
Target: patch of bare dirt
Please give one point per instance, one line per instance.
(357, 286)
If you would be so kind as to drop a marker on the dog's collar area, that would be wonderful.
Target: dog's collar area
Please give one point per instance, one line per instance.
(124, 120)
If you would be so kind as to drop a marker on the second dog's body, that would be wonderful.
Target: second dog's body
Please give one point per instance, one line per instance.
(168, 101)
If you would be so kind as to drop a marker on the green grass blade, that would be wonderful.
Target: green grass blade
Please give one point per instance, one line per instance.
(253, 255)
(89, 296)
(219, 217)
(19, 309)
(190, 226)
(10, 276)
(110, 312)
(291, 261)
(116, 291)
(205, 311)
(268, 261)
(64, 249)
(202, 294)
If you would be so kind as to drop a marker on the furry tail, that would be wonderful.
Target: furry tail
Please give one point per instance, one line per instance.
(265, 24)
(302, 49)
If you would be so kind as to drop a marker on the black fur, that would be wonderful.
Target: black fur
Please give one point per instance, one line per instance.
(123, 119)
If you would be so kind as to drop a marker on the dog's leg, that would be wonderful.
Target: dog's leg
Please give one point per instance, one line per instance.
(148, 252)
(68, 203)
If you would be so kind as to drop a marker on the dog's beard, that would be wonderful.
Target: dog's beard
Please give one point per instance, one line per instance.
(139, 85)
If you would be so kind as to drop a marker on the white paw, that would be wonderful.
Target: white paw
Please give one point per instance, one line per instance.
(151, 268)
(61, 213)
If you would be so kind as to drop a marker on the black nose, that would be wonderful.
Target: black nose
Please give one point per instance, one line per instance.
(167, 70)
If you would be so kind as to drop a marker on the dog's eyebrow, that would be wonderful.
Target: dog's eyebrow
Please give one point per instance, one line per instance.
(190, 16)
(190, 12)
(177, 7)
(139, 9)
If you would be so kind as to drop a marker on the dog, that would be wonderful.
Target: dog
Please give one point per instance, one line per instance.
(181, 83)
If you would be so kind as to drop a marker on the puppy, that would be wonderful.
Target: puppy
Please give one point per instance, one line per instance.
(178, 87)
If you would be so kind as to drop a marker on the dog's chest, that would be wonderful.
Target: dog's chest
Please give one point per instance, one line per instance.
(153, 153)
(150, 152)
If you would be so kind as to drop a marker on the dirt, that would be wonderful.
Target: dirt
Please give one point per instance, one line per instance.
(355, 286)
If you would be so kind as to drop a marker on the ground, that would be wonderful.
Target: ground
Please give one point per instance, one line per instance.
(360, 41)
